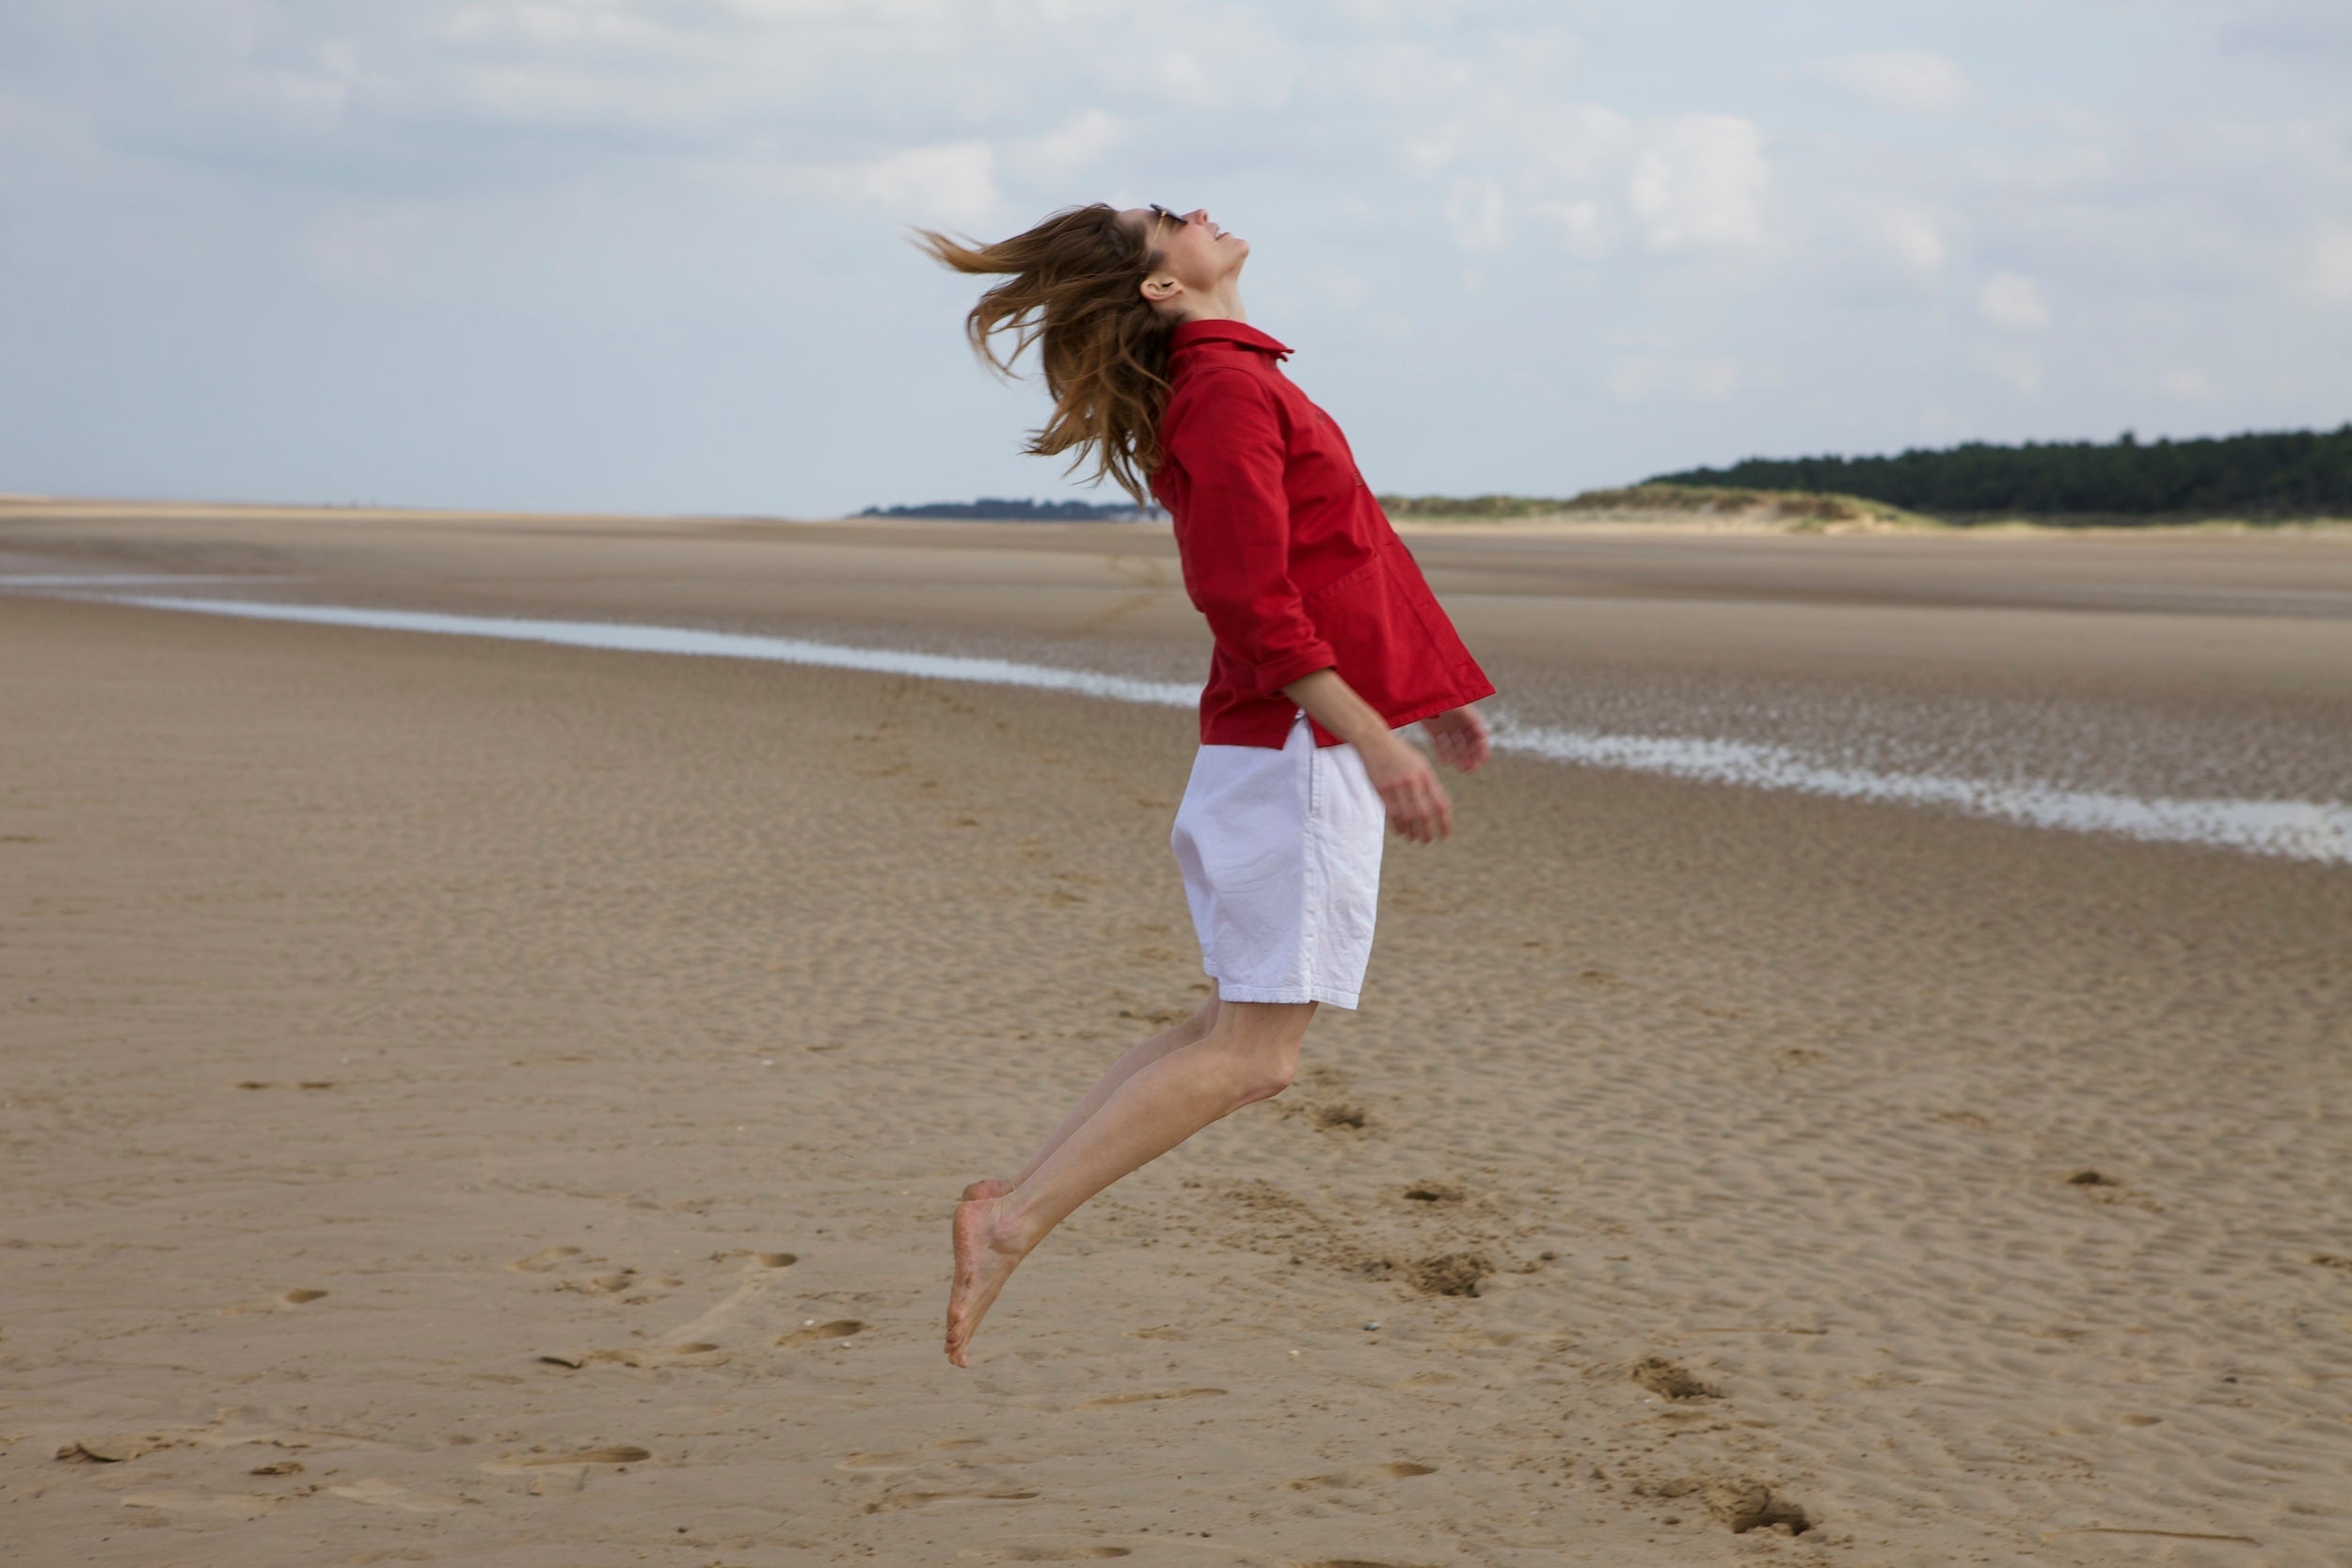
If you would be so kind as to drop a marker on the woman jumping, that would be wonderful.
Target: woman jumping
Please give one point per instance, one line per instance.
(1328, 641)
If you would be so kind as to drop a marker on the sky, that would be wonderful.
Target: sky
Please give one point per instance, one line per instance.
(650, 255)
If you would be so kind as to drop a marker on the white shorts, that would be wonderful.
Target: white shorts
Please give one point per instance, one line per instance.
(1280, 852)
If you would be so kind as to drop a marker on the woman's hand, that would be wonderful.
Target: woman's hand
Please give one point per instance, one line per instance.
(1417, 807)
(1459, 737)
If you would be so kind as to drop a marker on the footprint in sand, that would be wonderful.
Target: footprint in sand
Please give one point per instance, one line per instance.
(1670, 1379)
(113, 1450)
(841, 1328)
(380, 1493)
(608, 1284)
(1449, 1273)
(1338, 1116)
(543, 1459)
(933, 1499)
(1434, 1192)
(1151, 1394)
(758, 1259)
(905, 1459)
(232, 1505)
(555, 1475)
(278, 1302)
(1742, 1503)
(1361, 1475)
(619, 1454)
(701, 1352)
(2168, 1534)
(545, 1259)
(2100, 1187)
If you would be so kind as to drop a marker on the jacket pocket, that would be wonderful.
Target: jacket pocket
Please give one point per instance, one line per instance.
(1379, 637)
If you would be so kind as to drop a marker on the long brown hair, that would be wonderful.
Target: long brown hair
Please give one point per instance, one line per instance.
(1073, 286)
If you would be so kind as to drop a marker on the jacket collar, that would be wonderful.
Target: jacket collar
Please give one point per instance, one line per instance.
(1205, 331)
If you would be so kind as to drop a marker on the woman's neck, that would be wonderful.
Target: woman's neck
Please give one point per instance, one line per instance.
(1224, 305)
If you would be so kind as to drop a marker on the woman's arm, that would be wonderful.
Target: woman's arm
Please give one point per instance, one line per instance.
(1416, 803)
(1226, 433)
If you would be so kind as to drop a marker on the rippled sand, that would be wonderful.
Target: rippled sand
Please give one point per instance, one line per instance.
(480, 1103)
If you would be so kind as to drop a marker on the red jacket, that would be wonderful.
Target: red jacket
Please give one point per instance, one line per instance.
(1287, 553)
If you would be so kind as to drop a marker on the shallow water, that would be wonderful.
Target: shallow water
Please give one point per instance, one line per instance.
(2308, 830)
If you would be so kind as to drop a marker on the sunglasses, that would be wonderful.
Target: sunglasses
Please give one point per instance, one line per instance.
(1159, 212)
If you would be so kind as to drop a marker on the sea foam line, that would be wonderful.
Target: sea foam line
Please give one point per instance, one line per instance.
(2299, 830)
(625, 637)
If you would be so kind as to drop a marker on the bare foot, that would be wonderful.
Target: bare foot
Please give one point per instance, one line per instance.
(987, 1186)
(986, 1254)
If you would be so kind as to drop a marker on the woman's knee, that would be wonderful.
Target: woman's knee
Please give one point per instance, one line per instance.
(1269, 1076)
(1259, 1042)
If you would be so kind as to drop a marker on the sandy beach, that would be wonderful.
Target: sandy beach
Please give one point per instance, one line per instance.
(476, 1102)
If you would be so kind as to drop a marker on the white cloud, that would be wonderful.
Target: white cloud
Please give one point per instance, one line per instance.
(1908, 81)
(1701, 185)
(1915, 237)
(1080, 143)
(657, 172)
(2015, 366)
(1222, 58)
(1588, 229)
(1592, 176)
(1641, 377)
(1343, 288)
(953, 183)
(2063, 169)
(1714, 380)
(2012, 300)
(1475, 210)
(2327, 266)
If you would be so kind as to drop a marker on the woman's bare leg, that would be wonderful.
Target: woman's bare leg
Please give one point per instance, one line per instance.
(1171, 1038)
(1249, 1053)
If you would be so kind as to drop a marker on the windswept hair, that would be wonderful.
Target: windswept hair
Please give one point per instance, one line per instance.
(1073, 287)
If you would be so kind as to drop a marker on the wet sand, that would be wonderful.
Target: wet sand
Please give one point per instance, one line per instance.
(488, 1103)
(2173, 665)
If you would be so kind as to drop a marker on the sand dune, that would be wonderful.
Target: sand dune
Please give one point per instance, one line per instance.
(489, 1103)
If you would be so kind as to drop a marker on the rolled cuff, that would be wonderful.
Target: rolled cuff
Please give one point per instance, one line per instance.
(1276, 674)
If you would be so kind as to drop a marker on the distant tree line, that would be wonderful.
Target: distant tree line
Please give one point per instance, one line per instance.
(997, 509)
(2286, 474)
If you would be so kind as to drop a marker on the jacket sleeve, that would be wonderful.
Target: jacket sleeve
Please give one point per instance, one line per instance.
(1234, 535)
